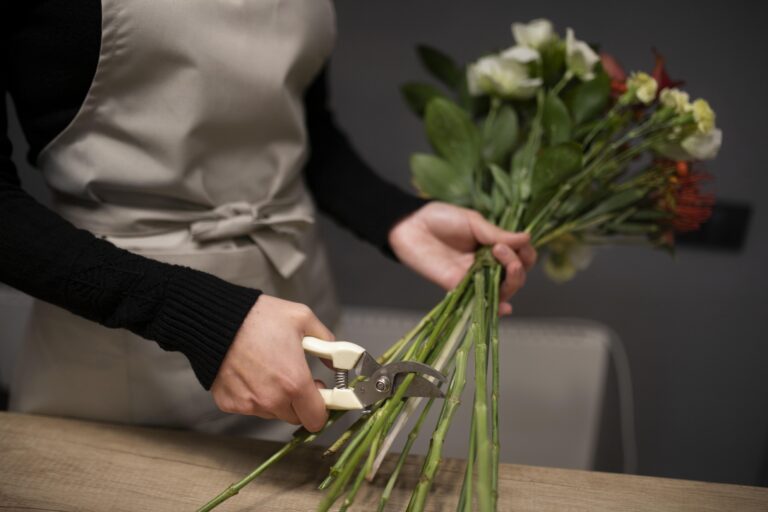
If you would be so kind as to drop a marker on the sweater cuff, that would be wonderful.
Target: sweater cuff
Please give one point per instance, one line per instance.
(200, 317)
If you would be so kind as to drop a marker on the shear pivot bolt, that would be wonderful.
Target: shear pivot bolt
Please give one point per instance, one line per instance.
(383, 384)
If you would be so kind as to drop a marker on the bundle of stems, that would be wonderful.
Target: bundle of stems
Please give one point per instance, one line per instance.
(573, 157)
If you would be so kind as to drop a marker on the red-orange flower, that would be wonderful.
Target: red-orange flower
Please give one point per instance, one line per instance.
(683, 198)
(615, 72)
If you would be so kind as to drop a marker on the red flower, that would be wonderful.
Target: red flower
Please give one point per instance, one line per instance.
(683, 198)
(615, 72)
(660, 74)
(618, 76)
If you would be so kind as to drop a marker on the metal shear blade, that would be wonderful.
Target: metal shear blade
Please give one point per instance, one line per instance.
(384, 380)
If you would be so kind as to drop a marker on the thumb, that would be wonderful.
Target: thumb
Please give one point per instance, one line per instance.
(489, 234)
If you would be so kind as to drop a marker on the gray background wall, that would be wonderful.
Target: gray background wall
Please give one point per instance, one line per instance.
(694, 325)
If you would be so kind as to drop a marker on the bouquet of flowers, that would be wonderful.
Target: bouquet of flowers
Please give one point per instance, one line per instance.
(546, 137)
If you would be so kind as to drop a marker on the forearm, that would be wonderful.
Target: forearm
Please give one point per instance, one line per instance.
(181, 309)
(343, 185)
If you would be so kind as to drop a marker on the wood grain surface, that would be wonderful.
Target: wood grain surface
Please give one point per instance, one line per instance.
(54, 464)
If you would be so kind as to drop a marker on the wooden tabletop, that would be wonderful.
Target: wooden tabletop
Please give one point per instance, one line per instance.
(53, 464)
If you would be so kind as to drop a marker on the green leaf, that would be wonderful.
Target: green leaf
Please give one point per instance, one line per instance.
(630, 228)
(482, 202)
(500, 135)
(441, 66)
(554, 165)
(521, 185)
(589, 99)
(552, 62)
(498, 200)
(453, 134)
(436, 178)
(418, 95)
(651, 215)
(502, 181)
(556, 120)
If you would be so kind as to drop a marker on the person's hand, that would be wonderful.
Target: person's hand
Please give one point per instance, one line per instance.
(439, 241)
(265, 373)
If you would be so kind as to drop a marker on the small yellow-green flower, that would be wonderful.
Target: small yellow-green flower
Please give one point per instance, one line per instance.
(644, 87)
(676, 99)
(703, 115)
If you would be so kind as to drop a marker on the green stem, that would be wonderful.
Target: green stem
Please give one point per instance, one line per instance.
(440, 360)
(562, 83)
(482, 446)
(300, 437)
(450, 404)
(350, 497)
(465, 498)
(359, 437)
(495, 382)
(403, 456)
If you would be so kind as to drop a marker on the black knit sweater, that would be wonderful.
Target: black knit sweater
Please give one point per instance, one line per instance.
(48, 55)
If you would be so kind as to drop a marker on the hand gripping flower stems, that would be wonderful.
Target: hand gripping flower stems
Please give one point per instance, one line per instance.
(545, 137)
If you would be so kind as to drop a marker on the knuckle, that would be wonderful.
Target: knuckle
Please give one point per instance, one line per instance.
(291, 385)
(304, 313)
(267, 403)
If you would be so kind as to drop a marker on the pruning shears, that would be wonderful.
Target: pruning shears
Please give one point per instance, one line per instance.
(379, 381)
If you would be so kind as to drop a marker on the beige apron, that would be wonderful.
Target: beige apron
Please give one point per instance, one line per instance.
(188, 149)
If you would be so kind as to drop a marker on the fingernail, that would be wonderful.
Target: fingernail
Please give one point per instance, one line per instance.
(502, 250)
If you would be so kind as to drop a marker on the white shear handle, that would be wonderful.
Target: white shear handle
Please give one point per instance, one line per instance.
(344, 356)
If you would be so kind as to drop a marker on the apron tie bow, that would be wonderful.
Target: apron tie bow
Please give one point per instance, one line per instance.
(275, 231)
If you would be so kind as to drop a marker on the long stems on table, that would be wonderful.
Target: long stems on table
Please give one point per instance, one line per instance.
(464, 320)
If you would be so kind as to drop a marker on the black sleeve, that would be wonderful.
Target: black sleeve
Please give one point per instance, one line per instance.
(43, 255)
(342, 184)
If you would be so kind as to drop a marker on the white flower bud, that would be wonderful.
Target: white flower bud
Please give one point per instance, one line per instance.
(579, 57)
(533, 34)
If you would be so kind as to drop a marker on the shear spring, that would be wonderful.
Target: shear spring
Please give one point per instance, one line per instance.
(342, 379)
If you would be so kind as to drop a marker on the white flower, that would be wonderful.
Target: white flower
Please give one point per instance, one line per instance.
(703, 146)
(676, 99)
(580, 58)
(644, 87)
(506, 74)
(699, 146)
(703, 115)
(533, 34)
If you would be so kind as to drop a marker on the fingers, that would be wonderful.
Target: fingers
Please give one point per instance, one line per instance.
(287, 414)
(514, 269)
(488, 234)
(528, 256)
(310, 407)
(505, 309)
